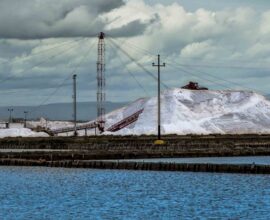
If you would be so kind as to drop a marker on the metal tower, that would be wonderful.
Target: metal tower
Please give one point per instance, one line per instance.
(101, 82)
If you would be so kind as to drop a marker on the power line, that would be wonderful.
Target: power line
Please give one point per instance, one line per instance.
(137, 63)
(59, 86)
(38, 64)
(194, 65)
(12, 92)
(216, 77)
(142, 50)
(208, 80)
(228, 81)
(63, 82)
(148, 53)
(223, 60)
(187, 72)
(224, 66)
(43, 51)
(132, 75)
(145, 51)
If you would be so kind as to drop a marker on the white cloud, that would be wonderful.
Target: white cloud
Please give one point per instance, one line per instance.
(206, 38)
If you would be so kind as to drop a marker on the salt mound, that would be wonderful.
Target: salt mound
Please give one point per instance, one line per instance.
(20, 132)
(198, 112)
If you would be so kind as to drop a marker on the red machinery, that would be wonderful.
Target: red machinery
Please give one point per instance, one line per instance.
(194, 86)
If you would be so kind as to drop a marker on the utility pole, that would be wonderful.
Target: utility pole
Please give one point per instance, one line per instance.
(74, 105)
(158, 141)
(10, 114)
(25, 118)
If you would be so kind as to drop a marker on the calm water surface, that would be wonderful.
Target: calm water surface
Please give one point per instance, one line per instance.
(263, 160)
(57, 193)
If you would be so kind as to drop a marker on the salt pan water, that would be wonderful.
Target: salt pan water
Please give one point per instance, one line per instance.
(58, 193)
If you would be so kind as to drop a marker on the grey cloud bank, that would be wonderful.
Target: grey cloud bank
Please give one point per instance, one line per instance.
(36, 19)
(204, 37)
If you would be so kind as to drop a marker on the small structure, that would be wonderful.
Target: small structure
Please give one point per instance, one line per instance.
(4, 125)
(194, 86)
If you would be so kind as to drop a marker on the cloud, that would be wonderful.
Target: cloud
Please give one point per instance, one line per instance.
(232, 43)
(36, 19)
(133, 28)
(193, 45)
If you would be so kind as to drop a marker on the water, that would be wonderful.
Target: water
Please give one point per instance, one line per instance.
(58, 193)
(262, 160)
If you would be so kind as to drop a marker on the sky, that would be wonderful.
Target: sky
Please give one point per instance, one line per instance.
(220, 44)
(193, 5)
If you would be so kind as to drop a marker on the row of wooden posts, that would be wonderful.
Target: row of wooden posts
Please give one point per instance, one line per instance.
(150, 166)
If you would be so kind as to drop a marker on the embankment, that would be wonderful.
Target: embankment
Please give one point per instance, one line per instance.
(129, 147)
(71, 152)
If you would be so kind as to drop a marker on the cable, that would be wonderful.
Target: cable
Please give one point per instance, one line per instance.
(219, 78)
(208, 80)
(142, 51)
(185, 71)
(12, 92)
(147, 52)
(207, 66)
(63, 82)
(36, 65)
(132, 75)
(237, 84)
(137, 63)
(223, 67)
(43, 51)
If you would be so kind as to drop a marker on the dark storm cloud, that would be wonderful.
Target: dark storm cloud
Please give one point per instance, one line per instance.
(36, 19)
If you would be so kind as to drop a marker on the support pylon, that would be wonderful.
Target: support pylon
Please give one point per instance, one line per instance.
(159, 141)
(75, 104)
(101, 98)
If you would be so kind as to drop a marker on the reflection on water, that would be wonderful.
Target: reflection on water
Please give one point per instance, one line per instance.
(264, 160)
(58, 193)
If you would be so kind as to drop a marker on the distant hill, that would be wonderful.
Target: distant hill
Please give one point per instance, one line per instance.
(59, 111)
